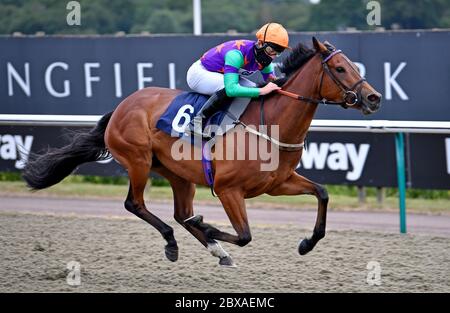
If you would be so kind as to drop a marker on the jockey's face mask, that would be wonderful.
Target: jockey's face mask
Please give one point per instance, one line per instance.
(265, 53)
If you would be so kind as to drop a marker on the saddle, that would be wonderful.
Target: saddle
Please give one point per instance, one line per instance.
(185, 106)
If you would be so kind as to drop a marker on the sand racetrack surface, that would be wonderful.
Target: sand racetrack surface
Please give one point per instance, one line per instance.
(120, 254)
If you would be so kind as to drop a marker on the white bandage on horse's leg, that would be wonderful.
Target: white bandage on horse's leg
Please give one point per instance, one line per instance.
(189, 218)
(217, 250)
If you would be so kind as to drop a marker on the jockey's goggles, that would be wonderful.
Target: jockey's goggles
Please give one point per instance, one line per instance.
(273, 49)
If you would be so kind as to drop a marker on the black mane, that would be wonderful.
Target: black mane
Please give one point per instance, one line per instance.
(296, 59)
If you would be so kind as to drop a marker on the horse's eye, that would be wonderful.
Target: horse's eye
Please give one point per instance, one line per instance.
(340, 69)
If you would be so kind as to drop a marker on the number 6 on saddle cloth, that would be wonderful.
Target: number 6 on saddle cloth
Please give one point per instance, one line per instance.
(187, 104)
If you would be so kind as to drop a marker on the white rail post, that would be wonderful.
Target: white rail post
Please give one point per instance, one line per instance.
(197, 12)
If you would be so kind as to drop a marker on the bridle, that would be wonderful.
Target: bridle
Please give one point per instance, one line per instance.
(351, 96)
(353, 93)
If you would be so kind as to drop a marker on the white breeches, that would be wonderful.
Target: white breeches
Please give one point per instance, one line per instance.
(203, 81)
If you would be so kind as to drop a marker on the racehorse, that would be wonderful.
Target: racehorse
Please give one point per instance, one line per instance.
(312, 76)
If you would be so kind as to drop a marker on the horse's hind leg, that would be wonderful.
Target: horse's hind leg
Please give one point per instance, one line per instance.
(234, 204)
(134, 203)
(184, 192)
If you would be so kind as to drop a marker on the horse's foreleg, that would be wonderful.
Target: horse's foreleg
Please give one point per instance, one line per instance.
(298, 185)
(184, 192)
(234, 204)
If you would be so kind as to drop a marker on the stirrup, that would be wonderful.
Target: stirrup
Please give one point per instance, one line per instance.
(191, 129)
(202, 135)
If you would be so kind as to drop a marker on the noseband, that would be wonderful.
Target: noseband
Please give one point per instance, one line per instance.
(351, 96)
(347, 94)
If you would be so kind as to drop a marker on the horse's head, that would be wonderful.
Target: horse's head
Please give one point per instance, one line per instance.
(341, 81)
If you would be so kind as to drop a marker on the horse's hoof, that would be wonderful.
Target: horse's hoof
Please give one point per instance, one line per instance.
(227, 261)
(304, 247)
(171, 252)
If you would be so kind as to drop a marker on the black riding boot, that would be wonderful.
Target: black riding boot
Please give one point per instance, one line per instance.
(211, 106)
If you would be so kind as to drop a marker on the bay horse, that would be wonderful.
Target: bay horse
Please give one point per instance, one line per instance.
(312, 76)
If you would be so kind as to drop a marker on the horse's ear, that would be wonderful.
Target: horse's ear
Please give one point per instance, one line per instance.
(329, 46)
(319, 46)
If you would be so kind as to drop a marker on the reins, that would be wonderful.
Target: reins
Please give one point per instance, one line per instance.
(347, 94)
(347, 91)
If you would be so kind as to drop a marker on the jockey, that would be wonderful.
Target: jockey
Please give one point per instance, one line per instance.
(217, 71)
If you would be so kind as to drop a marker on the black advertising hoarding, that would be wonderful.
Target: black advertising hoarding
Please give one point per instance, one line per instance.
(361, 159)
(368, 159)
(429, 160)
(17, 141)
(92, 74)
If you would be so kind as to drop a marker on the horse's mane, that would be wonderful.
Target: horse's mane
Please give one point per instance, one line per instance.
(296, 59)
(299, 56)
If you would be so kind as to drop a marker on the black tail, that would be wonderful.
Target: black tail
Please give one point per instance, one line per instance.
(48, 169)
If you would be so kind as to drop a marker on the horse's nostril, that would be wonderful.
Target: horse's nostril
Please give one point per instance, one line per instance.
(373, 98)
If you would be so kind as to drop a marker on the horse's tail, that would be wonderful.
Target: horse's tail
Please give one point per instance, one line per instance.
(48, 169)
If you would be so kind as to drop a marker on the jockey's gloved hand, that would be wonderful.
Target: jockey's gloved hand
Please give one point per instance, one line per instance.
(268, 88)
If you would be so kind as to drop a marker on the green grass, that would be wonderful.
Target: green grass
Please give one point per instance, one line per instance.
(332, 189)
(341, 198)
